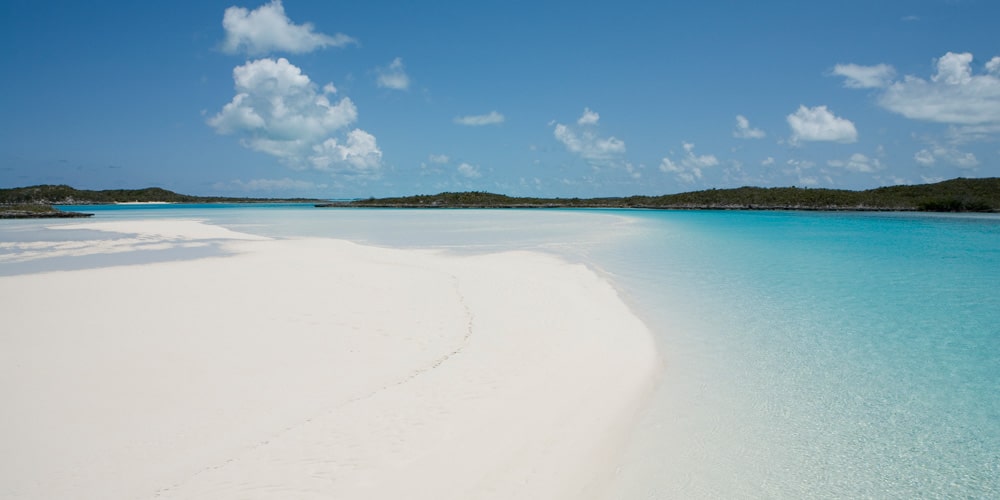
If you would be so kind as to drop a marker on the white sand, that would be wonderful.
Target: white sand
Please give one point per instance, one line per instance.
(316, 369)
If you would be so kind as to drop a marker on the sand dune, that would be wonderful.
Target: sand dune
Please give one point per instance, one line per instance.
(316, 368)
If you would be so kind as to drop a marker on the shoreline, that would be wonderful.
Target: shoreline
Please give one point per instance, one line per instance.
(315, 367)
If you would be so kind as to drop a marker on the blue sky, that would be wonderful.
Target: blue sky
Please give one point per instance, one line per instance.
(376, 98)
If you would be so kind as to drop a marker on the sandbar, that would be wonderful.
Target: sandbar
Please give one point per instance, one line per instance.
(316, 368)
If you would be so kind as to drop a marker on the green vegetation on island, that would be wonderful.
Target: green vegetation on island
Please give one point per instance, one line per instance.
(956, 195)
(66, 195)
(35, 202)
(36, 212)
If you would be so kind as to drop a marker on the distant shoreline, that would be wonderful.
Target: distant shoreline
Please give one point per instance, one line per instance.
(624, 207)
(37, 212)
(955, 195)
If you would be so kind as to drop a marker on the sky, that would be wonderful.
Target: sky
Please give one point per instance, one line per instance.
(585, 98)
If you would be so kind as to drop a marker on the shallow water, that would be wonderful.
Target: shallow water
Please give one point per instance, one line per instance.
(818, 355)
(807, 354)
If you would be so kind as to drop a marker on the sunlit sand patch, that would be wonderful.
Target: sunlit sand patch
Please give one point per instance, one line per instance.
(301, 368)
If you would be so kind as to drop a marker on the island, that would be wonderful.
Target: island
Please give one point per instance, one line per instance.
(36, 202)
(36, 211)
(956, 195)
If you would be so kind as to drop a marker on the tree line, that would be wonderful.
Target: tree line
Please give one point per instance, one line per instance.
(956, 195)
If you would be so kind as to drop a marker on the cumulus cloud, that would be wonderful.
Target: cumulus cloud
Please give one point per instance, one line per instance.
(993, 66)
(951, 156)
(268, 29)
(393, 76)
(745, 131)
(359, 152)
(278, 110)
(588, 117)
(820, 124)
(767, 161)
(469, 171)
(858, 163)
(954, 69)
(438, 159)
(865, 77)
(689, 167)
(491, 118)
(585, 142)
(954, 94)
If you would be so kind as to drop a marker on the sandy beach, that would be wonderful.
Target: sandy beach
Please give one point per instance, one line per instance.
(313, 368)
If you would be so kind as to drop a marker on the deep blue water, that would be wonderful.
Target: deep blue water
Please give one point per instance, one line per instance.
(823, 355)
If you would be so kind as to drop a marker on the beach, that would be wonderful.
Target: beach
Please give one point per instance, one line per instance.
(313, 368)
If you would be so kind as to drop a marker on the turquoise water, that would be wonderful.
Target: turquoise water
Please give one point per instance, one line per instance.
(821, 355)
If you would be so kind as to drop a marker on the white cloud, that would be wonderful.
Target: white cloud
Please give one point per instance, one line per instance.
(951, 156)
(689, 167)
(798, 168)
(745, 131)
(993, 66)
(767, 161)
(865, 77)
(277, 110)
(586, 142)
(954, 69)
(858, 163)
(438, 159)
(359, 152)
(588, 145)
(268, 29)
(491, 118)
(820, 124)
(393, 76)
(469, 171)
(924, 157)
(588, 117)
(952, 95)
(669, 166)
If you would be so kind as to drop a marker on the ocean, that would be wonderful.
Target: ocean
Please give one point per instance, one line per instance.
(806, 354)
